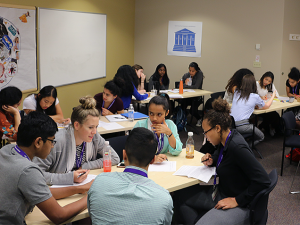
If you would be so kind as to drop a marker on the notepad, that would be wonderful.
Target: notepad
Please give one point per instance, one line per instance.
(137, 115)
(116, 118)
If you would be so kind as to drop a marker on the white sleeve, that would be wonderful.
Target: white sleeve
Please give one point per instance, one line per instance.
(29, 103)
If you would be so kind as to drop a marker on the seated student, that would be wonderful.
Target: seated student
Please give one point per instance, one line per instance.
(292, 83)
(130, 197)
(241, 176)
(22, 183)
(235, 82)
(271, 120)
(164, 130)
(127, 80)
(244, 101)
(10, 99)
(45, 101)
(160, 76)
(108, 102)
(141, 78)
(193, 80)
(78, 148)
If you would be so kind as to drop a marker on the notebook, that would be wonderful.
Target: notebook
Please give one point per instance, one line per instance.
(137, 115)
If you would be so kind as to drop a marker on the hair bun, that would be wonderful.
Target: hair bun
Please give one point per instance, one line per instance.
(88, 102)
(221, 105)
(295, 70)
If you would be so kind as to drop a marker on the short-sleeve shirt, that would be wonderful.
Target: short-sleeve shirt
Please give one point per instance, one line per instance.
(263, 91)
(242, 109)
(30, 102)
(22, 186)
(293, 90)
(117, 106)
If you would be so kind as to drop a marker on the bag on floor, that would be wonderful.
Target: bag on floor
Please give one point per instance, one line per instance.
(179, 118)
(295, 155)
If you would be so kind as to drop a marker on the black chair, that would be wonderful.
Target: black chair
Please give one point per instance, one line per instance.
(118, 144)
(291, 135)
(259, 205)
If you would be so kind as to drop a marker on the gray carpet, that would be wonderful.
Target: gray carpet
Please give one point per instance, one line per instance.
(283, 207)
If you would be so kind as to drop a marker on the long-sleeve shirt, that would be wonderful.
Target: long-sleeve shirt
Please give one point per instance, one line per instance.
(127, 99)
(197, 80)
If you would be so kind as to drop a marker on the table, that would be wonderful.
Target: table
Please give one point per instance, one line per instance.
(276, 105)
(164, 179)
(126, 126)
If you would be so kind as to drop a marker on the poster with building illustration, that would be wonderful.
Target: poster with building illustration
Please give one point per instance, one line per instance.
(184, 38)
(18, 47)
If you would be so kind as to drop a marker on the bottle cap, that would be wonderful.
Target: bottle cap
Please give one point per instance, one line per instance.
(190, 133)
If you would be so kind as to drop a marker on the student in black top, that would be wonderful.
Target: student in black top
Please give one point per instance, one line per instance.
(159, 78)
(292, 83)
(241, 176)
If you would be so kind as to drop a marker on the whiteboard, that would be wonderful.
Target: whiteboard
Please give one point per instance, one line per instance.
(72, 46)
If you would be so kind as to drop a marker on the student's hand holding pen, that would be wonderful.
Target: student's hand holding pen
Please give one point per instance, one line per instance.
(160, 158)
(207, 159)
(80, 175)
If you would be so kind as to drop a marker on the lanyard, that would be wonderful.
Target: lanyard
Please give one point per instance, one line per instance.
(131, 170)
(20, 151)
(109, 105)
(79, 159)
(294, 90)
(220, 158)
(160, 145)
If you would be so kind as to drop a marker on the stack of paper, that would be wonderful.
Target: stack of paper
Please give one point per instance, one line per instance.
(166, 166)
(202, 173)
(110, 126)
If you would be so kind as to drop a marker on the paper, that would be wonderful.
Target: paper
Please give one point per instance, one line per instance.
(112, 126)
(175, 96)
(116, 118)
(101, 123)
(166, 166)
(283, 98)
(203, 173)
(89, 178)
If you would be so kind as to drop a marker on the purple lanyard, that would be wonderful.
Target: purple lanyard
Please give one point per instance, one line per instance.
(20, 151)
(131, 170)
(220, 158)
(160, 145)
(294, 90)
(79, 159)
(108, 106)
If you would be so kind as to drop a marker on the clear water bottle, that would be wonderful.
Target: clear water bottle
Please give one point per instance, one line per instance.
(190, 81)
(107, 157)
(190, 146)
(131, 113)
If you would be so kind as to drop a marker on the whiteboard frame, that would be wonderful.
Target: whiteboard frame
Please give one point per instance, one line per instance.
(39, 47)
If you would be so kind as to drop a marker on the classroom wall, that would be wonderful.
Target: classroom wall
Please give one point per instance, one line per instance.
(231, 29)
(290, 49)
(120, 42)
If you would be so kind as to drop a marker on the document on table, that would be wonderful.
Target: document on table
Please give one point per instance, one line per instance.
(203, 173)
(112, 126)
(175, 96)
(89, 178)
(177, 90)
(165, 166)
(116, 118)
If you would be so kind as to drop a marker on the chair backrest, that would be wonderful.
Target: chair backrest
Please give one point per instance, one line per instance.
(118, 144)
(289, 122)
(217, 95)
(177, 84)
(233, 126)
(259, 205)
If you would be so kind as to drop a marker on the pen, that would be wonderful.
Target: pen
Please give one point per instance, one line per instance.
(81, 174)
(205, 160)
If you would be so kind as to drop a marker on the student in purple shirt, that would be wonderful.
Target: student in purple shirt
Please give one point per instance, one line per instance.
(108, 102)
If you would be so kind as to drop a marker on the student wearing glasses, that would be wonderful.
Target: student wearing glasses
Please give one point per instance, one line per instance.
(241, 176)
(164, 130)
(79, 147)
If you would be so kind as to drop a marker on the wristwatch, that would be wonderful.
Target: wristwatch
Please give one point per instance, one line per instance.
(169, 135)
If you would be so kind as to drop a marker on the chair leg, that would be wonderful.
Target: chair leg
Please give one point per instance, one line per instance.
(294, 192)
(282, 161)
(291, 155)
(258, 152)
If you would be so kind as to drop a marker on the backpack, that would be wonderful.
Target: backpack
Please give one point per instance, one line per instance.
(179, 118)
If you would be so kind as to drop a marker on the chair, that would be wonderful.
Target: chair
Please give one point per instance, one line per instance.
(290, 139)
(118, 144)
(259, 205)
(290, 191)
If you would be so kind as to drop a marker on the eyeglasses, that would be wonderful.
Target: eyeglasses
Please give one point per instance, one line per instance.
(52, 141)
(205, 132)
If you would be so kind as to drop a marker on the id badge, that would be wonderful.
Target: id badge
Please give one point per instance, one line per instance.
(215, 192)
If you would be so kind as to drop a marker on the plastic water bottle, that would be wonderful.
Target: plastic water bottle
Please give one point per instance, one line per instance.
(190, 146)
(107, 157)
(131, 113)
(190, 81)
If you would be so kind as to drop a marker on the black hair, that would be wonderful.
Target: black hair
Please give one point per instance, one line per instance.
(10, 96)
(140, 147)
(195, 65)
(294, 74)
(161, 99)
(236, 79)
(112, 87)
(219, 115)
(165, 78)
(261, 81)
(47, 91)
(125, 78)
(34, 125)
